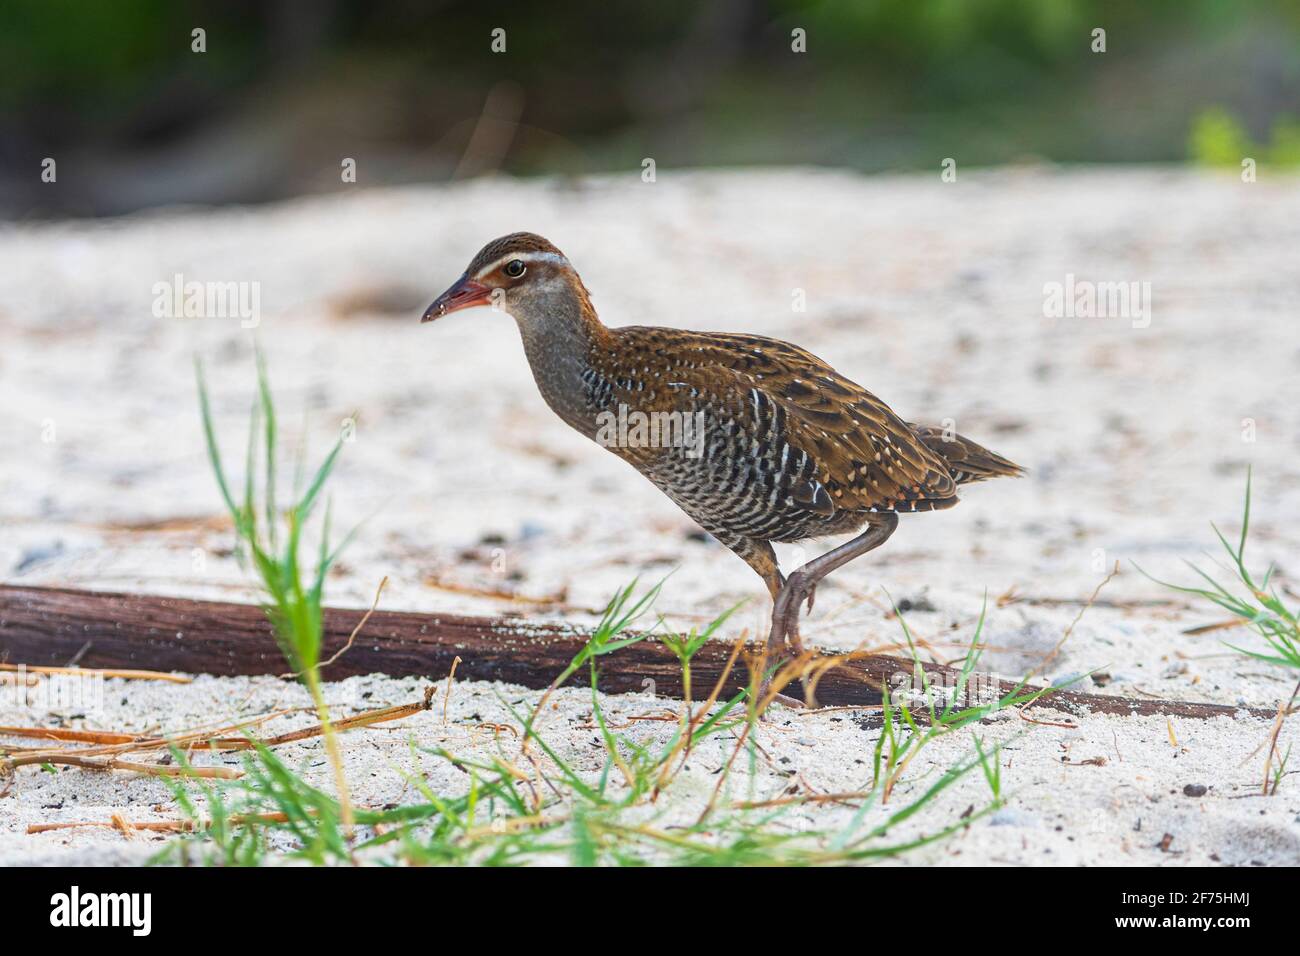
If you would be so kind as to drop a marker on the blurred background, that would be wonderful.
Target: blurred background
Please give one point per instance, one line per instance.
(415, 93)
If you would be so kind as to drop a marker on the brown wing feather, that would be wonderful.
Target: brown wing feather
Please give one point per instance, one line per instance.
(865, 456)
(968, 461)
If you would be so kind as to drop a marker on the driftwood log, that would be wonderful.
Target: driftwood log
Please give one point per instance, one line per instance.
(56, 626)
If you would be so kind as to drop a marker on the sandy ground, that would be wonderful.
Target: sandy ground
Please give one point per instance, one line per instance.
(930, 294)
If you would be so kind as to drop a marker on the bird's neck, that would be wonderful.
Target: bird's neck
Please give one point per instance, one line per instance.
(564, 341)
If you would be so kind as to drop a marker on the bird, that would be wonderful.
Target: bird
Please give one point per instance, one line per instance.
(765, 441)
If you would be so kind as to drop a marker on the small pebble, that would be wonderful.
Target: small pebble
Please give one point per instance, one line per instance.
(1195, 790)
(529, 530)
(1012, 817)
(920, 604)
(38, 555)
(1075, 681)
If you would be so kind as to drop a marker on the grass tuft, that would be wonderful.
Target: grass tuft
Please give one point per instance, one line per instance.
(1252, 600)
(1255, 602)
(537, 807)
(292, 605)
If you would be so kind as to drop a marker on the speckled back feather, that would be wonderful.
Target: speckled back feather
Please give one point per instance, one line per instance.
(967, 461)
(829, 444)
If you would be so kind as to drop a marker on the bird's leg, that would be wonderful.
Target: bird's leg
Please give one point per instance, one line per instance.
(789, 594)
(785, 616)
(783, 635)
(760, 556)
(802, 584)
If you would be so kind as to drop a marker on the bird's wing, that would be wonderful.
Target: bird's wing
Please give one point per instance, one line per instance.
(863, 456)
(967, 460)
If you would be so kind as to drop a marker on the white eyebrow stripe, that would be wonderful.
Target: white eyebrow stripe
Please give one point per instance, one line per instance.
(526, 257)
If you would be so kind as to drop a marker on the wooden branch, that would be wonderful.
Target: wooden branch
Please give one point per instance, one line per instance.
(47, 626)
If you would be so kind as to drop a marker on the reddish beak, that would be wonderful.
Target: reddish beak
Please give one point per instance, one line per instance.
(464, 294)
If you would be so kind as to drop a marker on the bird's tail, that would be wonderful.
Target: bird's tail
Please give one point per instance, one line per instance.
(966, 460)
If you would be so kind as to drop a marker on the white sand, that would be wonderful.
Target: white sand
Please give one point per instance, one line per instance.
(929, 294)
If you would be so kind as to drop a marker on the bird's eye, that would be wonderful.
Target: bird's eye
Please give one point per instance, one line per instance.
(514, 268)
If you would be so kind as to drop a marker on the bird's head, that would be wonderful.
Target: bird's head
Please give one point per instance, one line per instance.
(522, 274)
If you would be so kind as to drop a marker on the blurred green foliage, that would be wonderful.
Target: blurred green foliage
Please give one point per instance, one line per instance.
(883, 84)
(79, 55)
(1219, 140)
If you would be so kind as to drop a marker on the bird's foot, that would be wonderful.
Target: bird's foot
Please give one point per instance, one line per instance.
(794, 703)
(792, 639)
(766, 697)
(783, 641)
(778, 644)
(799, 588)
